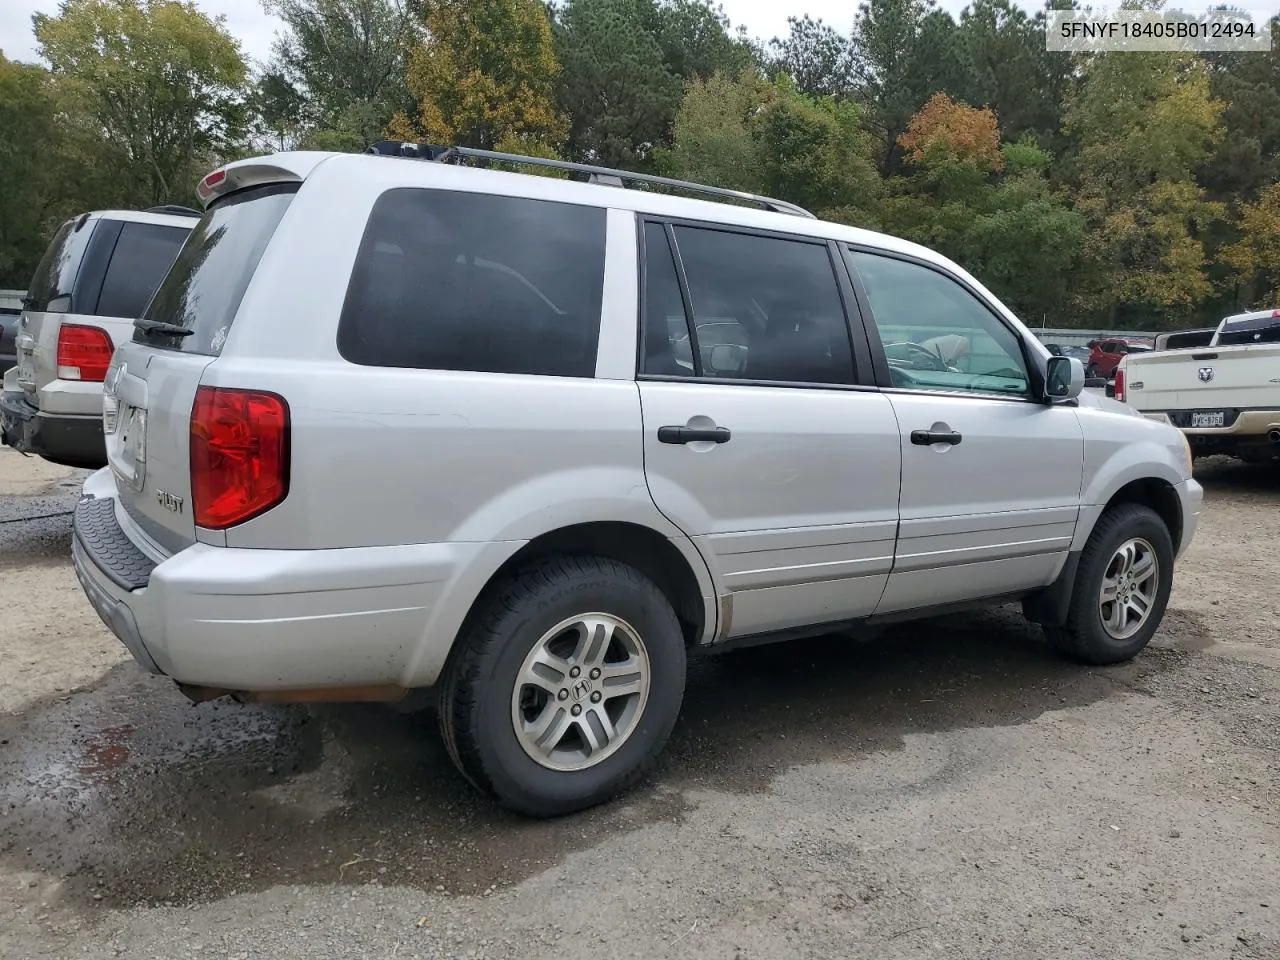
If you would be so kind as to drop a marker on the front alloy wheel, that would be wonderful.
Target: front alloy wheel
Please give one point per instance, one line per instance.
(1129, 588)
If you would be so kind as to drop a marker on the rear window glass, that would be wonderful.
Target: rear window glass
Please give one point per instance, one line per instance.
(466, 281)
(143, 254)
(55, 275)
(1256, 330)
(203, 289)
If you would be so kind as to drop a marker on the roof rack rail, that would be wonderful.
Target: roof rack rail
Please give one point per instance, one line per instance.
(174, 209)
(595, 174)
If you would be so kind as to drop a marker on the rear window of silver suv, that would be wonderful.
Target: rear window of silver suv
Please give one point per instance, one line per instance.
(196, 304)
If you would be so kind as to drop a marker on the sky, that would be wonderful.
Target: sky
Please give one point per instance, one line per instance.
(254, 29)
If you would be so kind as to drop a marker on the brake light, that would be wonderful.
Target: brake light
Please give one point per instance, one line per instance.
(239, 455)
(205, 187)
(84, 353)
(1119, 388)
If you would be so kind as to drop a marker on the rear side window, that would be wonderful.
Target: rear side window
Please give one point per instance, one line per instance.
(764, 308)
(466, 281)
(55, 275)
(142, 256)
(202, 291)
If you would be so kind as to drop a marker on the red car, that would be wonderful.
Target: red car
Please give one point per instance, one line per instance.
(1105, 355)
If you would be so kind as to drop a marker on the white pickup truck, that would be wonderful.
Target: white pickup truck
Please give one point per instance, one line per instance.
(1224, 396)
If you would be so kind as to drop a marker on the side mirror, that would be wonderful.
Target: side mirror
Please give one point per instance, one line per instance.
(1095, 382)
(1063, 378)
(1111, 389)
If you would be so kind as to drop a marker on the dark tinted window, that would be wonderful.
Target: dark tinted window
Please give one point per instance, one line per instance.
(202, 291)
(466, 281)
(55, 275)
(764, 308)
(143, 254)
(1257, 330)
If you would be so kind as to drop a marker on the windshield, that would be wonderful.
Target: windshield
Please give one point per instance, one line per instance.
(196, 304)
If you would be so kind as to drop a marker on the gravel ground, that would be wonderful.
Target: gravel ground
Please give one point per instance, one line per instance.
(951, 790)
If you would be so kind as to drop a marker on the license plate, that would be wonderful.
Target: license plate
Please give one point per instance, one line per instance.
(1215, 418)
(132, 463)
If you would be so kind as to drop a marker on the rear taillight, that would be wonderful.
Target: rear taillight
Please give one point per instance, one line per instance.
(1119, 383)
(239, 455)
(84, 353)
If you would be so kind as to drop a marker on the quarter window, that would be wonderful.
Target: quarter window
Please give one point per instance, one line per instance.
(764, 309)
(466, 281)
(936, 334)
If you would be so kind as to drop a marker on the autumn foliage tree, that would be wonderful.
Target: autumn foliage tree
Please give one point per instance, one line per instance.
(484, 73)
(945, 129)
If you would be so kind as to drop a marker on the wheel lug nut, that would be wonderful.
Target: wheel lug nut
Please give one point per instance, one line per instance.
(595, 673)
(577, 709)
(564, 694)
(595, 697)
(574, 671)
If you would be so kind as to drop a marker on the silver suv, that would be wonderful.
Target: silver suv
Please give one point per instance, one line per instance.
(393, 424)
(96, 276)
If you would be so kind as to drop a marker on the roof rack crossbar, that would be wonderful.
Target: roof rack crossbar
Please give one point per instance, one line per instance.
(602, 175)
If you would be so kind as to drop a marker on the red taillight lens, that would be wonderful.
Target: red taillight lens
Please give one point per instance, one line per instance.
(84, 353)
(1119, 383)
(239, 455)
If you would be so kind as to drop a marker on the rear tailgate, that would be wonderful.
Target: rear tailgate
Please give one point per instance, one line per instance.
(1204, 378)
(151, 387)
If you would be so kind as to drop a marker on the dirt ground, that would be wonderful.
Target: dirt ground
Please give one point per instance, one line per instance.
(951, 790)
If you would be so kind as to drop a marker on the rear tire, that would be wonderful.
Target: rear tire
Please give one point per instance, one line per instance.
(1130, 555)
(545, 743)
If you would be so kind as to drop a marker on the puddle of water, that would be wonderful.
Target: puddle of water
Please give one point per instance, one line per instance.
(135, 796)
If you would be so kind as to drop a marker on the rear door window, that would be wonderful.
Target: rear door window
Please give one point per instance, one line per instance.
(764, 309)
(202, 291)
(464, 281)
(142, 256)
(55, 275)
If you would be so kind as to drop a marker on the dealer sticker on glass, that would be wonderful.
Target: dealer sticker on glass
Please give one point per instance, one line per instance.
(1090, 31)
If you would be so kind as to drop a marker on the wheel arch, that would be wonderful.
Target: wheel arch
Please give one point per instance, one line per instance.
(675, 567)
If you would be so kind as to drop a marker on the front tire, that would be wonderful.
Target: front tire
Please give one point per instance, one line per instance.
(1121, 590)
(565, 685)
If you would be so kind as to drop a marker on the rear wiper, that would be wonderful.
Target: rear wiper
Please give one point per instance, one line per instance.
(160, 326)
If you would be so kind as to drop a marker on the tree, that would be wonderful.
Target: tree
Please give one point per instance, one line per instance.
(1256, 255)
(771, 139)
(617, 89)
(892, 72)
(160, 79)
(339, 66)
(817, 58)
(484, 72)
(32, 185)
(697, 40)
(957, 130)
(1144, 122)
(1010, 70)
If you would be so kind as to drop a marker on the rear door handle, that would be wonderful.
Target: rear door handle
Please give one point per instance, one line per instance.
(693, 434)
(925, 438)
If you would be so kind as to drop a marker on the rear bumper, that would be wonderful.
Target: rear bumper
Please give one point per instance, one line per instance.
(1245, 425)
(75, 441)
(267, 620)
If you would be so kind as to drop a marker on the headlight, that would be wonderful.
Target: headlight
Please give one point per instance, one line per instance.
(1186, 448)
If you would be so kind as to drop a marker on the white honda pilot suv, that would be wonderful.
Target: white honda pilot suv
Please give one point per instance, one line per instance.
(398, 422)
